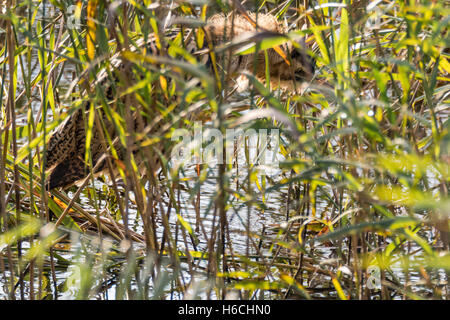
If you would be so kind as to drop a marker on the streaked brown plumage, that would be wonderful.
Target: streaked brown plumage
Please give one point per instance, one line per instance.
(227, 27)
(66, 148)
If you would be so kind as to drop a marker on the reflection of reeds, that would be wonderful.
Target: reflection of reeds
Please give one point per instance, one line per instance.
(363, 184)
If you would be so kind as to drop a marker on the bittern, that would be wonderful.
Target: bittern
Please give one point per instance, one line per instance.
(66, 149)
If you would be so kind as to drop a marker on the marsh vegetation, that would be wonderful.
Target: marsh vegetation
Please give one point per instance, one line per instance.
(352, 204)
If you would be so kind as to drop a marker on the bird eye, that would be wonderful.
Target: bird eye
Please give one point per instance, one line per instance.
(299, 75)
(305, 64)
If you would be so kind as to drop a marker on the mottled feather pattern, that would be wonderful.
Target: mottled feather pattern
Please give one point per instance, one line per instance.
(62, 141)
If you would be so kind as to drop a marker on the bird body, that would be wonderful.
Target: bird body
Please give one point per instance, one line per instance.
(65, 155)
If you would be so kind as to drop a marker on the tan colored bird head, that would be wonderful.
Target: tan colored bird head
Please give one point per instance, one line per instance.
(285, 62)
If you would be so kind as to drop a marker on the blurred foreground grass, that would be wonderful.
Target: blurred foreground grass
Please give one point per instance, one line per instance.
(361, 191)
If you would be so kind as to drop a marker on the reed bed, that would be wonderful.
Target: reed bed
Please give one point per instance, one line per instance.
(355, 207)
